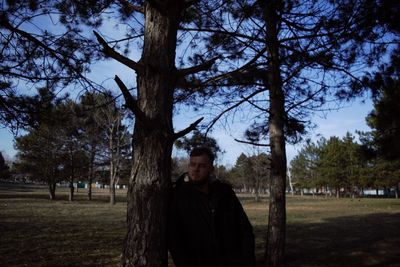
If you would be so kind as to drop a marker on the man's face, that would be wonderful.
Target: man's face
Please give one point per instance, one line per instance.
(200, 169)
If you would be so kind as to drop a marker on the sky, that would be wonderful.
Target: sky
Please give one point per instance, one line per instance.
(336, 123)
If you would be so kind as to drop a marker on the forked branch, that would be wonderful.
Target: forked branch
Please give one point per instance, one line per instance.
(188, 129)
(195, 69)
(110, 52)
(130, 101)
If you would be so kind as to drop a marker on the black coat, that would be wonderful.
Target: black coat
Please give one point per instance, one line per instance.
(209, 230)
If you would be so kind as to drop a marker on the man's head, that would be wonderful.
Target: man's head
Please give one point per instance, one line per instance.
(201, 165)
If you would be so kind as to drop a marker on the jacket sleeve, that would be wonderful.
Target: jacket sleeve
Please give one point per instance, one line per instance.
(177, 245)
(247, 235)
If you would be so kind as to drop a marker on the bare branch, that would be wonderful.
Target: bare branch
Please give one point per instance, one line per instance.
(192, 70)
(188, 129)
(251, 143)
(257, 106)
(244, 99)
(108, 51)
(230, 74)
(4, 23)
(225, 32)
(130, 101)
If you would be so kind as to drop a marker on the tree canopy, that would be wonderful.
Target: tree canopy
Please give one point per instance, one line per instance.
(282, 60)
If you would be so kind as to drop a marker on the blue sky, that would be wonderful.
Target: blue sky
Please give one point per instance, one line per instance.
(336, 123)
(347, 119)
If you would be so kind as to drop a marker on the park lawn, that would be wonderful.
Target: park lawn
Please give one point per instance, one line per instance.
(320, 232)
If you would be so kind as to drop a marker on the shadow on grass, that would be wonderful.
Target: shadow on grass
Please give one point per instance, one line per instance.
(368, 240)
(62, 243)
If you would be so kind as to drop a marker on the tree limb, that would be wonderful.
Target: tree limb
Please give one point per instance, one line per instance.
(4, 23)
(130, 101)
(217, 31)
(251, 143)
(192, 70)
(188, 129)
(246, 66)
(108, 51)
(244, 99)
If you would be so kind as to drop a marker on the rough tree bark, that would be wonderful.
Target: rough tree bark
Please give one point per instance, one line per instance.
(276, 232)
(149, 186)
(145, 243)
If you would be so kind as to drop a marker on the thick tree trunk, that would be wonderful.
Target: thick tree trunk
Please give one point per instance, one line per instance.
(145, 243)
(276, 232)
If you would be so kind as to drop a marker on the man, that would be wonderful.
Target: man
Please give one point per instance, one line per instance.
(207, 224)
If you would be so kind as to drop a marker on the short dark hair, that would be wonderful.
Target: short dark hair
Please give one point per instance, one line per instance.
(202, 150)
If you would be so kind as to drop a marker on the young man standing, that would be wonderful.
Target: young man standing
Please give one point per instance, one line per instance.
(207, 224)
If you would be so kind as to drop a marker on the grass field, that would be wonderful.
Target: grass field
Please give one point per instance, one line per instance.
(320, 232)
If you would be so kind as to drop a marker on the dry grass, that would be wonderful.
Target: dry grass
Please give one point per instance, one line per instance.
(335, 232)
(320, 232)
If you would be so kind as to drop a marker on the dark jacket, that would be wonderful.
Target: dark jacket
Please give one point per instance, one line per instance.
(209, 230)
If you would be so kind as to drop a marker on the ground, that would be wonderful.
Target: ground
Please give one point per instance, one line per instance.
(35, 231)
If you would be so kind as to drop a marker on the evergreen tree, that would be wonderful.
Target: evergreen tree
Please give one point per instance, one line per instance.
(40, 151)
(62, 54)
(296, 57)
(4, 168)
(198, 139)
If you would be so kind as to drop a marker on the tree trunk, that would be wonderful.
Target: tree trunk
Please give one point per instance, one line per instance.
(112, 183)
(71, 190)
(276, 232)
(52, 191)
(291, 186)
(90, 174)
(89, 194)
(112, 179)
(150, 181)
(112, 194)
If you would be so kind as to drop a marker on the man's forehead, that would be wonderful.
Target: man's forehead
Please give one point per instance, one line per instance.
(200, 159)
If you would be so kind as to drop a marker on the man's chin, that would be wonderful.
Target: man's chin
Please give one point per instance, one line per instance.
(199, 182)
